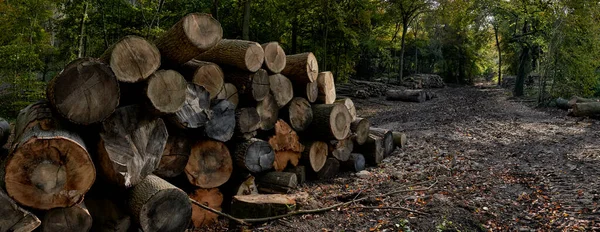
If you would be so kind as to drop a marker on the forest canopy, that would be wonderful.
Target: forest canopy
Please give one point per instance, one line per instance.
(554, 44)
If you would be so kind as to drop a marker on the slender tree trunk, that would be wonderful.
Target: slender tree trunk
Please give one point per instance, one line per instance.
(402, 48)
(294, 34)
(325, 6)
(246, 23)
(81, 51)
(524, 65)
(499, 55)
(215, 9)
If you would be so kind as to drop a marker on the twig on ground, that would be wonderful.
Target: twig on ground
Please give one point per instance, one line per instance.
(396, 207)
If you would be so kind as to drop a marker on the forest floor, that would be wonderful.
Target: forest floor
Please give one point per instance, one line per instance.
(492, 162)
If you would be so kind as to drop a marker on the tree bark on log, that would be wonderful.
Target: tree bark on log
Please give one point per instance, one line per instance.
(130, 147)
(242, 54)
(193, 34)
(309, 91)
(167, 91)
(281, 88)
(4, 131)
(157, 205)
(298, 114)
(326, 87)
(260, 206)
(206, 74)
(251, 86)
(286, 145)
(254, 155)
(575, 99)
(388, 139)
(405, 95)
(275, 58)
(74, 218)
(175, 156)
(355, 163)
(586, 109)
(330, 121)
(132, 59)
(229, 93)
(373, 150)
(301, 68)
(107, 215)
(360, 130)
(195, 111)
(341, 149)
(46, 162)
(221, 125)
(400, 139)
(315, 154)
(86, 91)
(209, 197)
(349, 105)
(209, 165)
(268, 111)
(329, 170)
(277, 182)
(14, 218)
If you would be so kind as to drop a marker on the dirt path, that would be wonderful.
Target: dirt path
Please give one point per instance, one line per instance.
(496, 164)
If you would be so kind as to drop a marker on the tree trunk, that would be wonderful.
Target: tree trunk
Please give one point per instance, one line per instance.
(81, 50)
(166, 91)
(74, 218)
(221, 125)
(5, 131)
(286, 145)
(193, 34)
(373, 150)
(195, 111)
(254, 155)
(400, 139)
(298, 114)
(495, 27)
(46, 162)
(251, 86)
(586, 109)
(309, 91)
(175, 156)
(274, 57)
(402, 48)
(246, 22)
(349, 105)
(14, 218)
(206, 74)
(281, 88)
(360, 130)
(209, 197)
(355, 163)
(157, 205)
(247, 120)
(406, 95)
(315, 154)
(215, 9)
(132, 59)
(329, 170)
(130, 147)
(524, 64)
(259, 206)
(229, 93)
(326, 87)
(85, 92)
(301, 68)
(242, 54)
(209, 165)
(276, 182)
(330, 121)
(388, 139)
(268, 111)
(341, 149)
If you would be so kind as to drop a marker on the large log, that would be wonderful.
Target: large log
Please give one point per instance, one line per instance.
(259, 206)
(309, 91)
(330, 121)
(400, 139)
(575, 99)
(349, 105)
(251, 86)
(175, 156)
(281, 88)
(157, 205)
(107, 215)
(373, 150)
(132, 59)
(242, 54)
(4, 131)
(360, 130)
(301, 68)
(274, 57)
(229, 93)
(315, 154)
(221, 125)
(329, 170)
(166, 91)
(355, 163)
(193, 34)
(14, 218)
(74, 218)
(206, 74)
(326, 87)
(131, 145)
(46, 162)
(341, 149)
(86, 91)
(406, 95)
(195, 111)
(276, 182)
(586, 109)
(298, 114)
(388, 139)
(247, 120)
(254, 155)
(286, 145)
(209, 197)
(268, 111)
(209, 165)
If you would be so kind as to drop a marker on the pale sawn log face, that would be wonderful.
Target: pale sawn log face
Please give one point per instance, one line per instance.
(268, 111)
(299, 113)
(275, 58)
(132, 59)
(229, 93)
(166, 91)
(326, 86)
(315, 153)
(206, 74)
(360, 130)
(74, 218)
(281, 88)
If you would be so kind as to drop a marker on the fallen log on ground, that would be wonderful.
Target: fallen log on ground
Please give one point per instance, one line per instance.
(373, 150)
(406, 95)
(586, 109)
(341, 149)
(276, 182)
(400, 139)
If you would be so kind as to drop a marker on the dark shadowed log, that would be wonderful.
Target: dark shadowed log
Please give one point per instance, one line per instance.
(209, 165)
(329, 170)
(341, 149)
(206, 74)
(242, 54)
(586, 109)
(4, 131)
(74, 218)
(286, 145)
(315, 155)
(107, 215)
(562, 103)
(46, 162)
(274, 57)
(166, 91)
(326, 87)
(193, 34)
(281, 88)
(195, 111)
(301, 68)
(309, 91)
(298, 114)
(254, 155)
(300, 172)
(330, 121)
(131, 145)
(86, 91)
(276, 182)
(259, 206)
(209, 197)
(388, 139)
(247, 120)
(222, 121)
(175, 156)
(360, 130)
(268, 111)
(405, 95)
(355, 163)
(251, 86)
(400, 139)
(157, 205)
(373, 150)
(132, 59)
(349, 105)
(14, 218)
(229, 93)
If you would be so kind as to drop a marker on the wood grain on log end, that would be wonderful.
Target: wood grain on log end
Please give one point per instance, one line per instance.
(132, 59)
(209, 165)
(274, 57)
(166, 90)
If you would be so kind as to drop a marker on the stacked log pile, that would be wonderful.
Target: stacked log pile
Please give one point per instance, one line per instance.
(131, 140)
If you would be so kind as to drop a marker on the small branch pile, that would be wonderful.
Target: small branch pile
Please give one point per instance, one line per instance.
(124, 141)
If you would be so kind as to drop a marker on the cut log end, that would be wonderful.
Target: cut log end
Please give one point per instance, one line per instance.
(258, 206)
(14, 218)
(268, 111)
(229, 93)
(75, 218)
(315, 153)
(277, 182)
(281, 88)
(209, 165)
(194, 112)
(301, 68)
(360, 130)
(349, 105)
(132, 59)
(326, 87)
(209, 197)
(255, 155)
(299, 113)
(206, 74)
(274, 57)
(222, 123)
(166, 91)
(355, 163)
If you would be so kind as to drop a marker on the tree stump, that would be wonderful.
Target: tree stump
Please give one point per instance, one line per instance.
(341, 149)
(286, 145)
(268, 111)
(298, 113)
(74, 218)
(221, 125)
(360, 130)
(274, 57)
(209, 165)
(260, 206)
(276, 182)
(86, 91)
(175, 156)
(326, 87)
(242, 54)
(373, 150)
(166, 91)
(388, 139)
(209, 197)
(251, 86)
(330, 121)
(132, 59)
(229, 93)
(315, 154)
(254, 155)
(349, 105)
(206, 74)
(281, 88)
(14, 218)
(195, 111)
(301, 68)
(355, 163)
